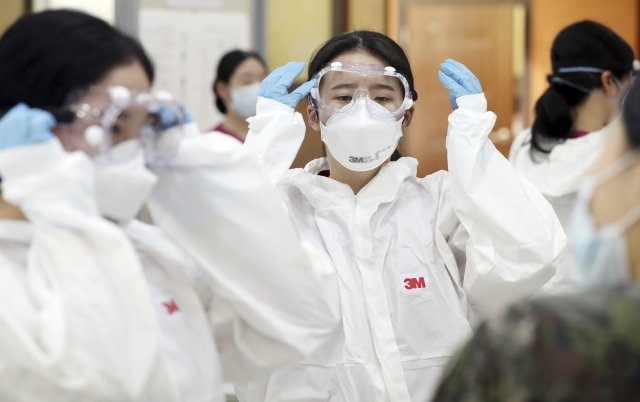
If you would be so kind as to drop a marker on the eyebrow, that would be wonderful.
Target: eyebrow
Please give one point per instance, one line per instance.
(349, 86)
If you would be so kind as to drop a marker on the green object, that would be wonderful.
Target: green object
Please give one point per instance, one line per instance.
(583, 347)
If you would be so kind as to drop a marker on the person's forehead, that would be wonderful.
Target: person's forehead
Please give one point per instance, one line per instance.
(249, 67)
(359, 57)
(131, 76)
(335, 79)
(364, 58)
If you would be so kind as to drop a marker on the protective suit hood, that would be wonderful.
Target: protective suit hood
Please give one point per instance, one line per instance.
(560, 172)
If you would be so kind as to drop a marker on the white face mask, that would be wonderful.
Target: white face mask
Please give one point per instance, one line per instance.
(359, 141)
(122, 184)
(602, 253)
(244, 100)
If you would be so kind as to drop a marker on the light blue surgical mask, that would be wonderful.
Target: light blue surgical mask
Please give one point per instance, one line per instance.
(602, 252)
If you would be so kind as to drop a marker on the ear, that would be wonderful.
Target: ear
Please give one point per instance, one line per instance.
(222, 90)
(609, 85)
(408, 116)
(313, 118)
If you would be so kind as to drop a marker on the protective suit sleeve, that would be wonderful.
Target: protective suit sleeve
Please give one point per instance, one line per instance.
(272, 304)
(76, 323)
(513, 237)
(275, 135)
(517, 144)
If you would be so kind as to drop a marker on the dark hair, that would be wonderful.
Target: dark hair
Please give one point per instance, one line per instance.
(583, 44)
(227, 66)
(631, 115)
(46, 56)
(375, 43)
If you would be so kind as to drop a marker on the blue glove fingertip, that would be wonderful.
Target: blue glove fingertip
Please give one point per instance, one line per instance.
(292, 73)
(187, 116)
(289, 68)
(41, 124)
(448, 69)
(304, 88)
(25, 126)
(448, 82)
(451, 86)
(456, 71)
(273, 78)
(45, 119)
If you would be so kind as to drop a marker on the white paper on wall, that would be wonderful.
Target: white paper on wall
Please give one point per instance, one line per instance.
(104, 9)
(195, 3)
(186, 47)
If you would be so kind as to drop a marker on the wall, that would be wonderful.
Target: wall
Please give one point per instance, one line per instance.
(295, 28)
(367, 14)
(186, 39)
(11, 10)
(104, 9)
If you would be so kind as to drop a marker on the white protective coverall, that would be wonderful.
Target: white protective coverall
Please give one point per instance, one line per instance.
(262, 314)
(418, 259)
(270, 298)
(559, 175)
(75, 319)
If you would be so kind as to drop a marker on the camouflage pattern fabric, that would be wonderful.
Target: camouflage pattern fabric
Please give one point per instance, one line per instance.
(583, 347)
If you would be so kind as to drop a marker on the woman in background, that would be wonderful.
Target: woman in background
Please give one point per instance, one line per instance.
(236, 88)
(592, 68)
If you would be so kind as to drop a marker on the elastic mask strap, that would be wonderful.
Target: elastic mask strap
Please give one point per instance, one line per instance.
(562, 81)
(622, 164)
(563, 70)
(568, 70)
(623, 89)
(629, 219)
(617, 167)
(595, 70)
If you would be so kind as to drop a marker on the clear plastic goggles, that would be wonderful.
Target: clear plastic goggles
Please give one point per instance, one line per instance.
(338, 86)
(108, 116)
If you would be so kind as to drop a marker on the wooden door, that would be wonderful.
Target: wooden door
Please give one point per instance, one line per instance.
(479, 35)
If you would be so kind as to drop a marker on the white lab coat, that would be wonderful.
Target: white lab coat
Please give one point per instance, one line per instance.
(417, 258)
(559, 176)
(75, 319)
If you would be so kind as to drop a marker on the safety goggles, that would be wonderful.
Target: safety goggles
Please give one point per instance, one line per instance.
(108, 116)
(339, 86)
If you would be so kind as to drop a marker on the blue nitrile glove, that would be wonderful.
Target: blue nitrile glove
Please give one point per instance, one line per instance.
(25, 126)
(458, 80)
(276, 85)
(169, 116)
(187, 116)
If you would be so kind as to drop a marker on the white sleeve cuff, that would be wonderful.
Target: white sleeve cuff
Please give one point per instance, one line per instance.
(270, 105)
(476, 102)
(33, 159)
